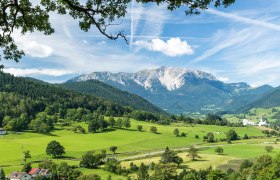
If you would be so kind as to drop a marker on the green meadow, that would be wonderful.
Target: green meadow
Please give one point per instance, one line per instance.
(130, 142)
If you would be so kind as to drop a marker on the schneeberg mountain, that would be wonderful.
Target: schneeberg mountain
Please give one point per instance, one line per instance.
(180, 90)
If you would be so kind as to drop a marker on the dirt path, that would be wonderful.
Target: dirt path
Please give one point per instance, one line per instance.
(152, 153)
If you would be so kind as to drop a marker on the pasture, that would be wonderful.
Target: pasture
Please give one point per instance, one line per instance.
(129, 142)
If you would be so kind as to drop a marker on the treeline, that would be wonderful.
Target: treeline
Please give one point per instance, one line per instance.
(210, 119)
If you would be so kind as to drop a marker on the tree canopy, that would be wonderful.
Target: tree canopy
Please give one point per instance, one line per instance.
(28, 16)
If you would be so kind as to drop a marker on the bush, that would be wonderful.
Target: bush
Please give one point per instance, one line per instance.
(219, 150)
(153, 129)
(113, 149)
(183, 134)
(140, 128)
(269, 148)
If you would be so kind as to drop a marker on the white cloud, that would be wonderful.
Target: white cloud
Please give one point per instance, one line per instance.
(34, 71)
(223, 79)
(172, 47)
(32, 47)
(35, 49)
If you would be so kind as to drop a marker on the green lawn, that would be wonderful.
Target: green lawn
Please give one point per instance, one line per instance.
(128, 141)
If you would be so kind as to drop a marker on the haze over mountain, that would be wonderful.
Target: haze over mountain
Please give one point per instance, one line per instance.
(180, 90)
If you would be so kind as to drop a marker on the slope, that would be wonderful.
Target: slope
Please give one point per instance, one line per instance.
(100, 89)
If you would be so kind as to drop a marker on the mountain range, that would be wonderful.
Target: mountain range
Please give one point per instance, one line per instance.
(180, 90)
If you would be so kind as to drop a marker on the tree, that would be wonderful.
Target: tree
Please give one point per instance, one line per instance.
(176, 132)
(93, 126)
(245, 136)
(232, 135)
(113, 149)
(143, 172)
(245, 164)
(119, 122)
(112, 121)
(216, 175)
(55, 149)
(90, 160)
(26, 155)
(2, 174)
(112, 165)
(48, 164)
(219, 150)
(268, 148)
(67, 172)
(26, 168)
(126, 123)
(153, 129)
(170, 157)
(192, 152)
(165, 171)
(210, 137)
(29, 16)
(140, 128)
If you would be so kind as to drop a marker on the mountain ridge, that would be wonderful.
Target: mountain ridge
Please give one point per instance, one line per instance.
(185, 90)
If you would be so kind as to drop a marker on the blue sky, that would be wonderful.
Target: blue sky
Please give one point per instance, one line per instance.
(239, 43)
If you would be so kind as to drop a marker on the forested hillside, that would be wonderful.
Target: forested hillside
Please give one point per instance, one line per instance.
(268, 100)
(100, 89)
(23, 100)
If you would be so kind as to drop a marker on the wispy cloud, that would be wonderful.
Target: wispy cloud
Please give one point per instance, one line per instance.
(246, 20)
(222, 40)
(132, 23)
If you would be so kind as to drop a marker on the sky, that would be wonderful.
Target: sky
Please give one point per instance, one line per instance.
(236, 44)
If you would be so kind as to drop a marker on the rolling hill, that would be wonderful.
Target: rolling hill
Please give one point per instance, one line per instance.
(102, 90)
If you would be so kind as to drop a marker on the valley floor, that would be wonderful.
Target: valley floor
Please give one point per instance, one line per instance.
(134, 146)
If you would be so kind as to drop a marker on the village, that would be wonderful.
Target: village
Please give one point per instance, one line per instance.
(262, 122)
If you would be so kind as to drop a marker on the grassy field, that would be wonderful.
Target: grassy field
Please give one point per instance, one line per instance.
(129, 142)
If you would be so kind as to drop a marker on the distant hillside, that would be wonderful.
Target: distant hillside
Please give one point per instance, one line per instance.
(99, 89)
(268, 100)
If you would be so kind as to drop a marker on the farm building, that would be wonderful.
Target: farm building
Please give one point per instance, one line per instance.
(20, 176)
(246, 122)
(39, 172)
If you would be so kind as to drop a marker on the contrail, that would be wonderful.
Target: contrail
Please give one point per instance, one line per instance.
(132, 23)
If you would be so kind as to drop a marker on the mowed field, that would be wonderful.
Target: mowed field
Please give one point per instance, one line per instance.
(130, 142)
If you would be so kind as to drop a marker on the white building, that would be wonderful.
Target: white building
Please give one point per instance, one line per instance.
(263, 122)
(246, 122)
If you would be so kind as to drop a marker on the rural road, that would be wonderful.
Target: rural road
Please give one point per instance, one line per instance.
(162, 151)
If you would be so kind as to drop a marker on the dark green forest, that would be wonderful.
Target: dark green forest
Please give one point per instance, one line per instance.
(100, 89)
(31, 104)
